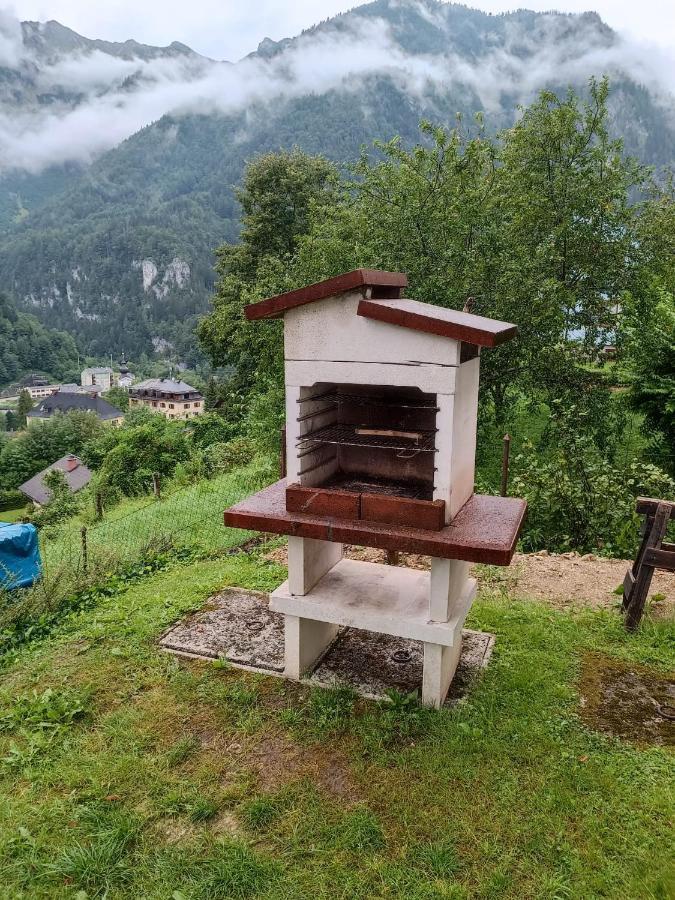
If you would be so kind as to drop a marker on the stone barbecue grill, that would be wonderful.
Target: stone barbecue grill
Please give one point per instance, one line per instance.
(381, 409)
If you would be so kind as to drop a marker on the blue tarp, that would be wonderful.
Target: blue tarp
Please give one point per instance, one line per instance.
(20, 562)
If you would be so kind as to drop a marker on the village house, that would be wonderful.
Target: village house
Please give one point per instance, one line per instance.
(60, 403)
(75, 473)
(174, 399)
(99, 375)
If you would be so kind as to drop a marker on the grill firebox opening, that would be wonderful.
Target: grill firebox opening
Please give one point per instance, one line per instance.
(359, 438)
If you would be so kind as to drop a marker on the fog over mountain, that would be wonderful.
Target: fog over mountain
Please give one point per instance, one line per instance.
(67, 99)
(118, 160)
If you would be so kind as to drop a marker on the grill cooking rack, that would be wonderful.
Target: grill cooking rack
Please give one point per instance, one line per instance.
(346, 435)
(335, 397)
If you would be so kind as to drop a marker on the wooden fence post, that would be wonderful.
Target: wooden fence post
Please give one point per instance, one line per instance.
(156, 485)
(505, 464)
(85, 559)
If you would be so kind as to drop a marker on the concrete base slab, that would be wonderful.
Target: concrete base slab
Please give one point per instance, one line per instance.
(373, 664)
(238, 625)
(376, 597)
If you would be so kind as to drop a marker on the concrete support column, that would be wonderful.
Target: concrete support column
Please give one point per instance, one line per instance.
(448, 580)
(439, 667)
(446, 587)
(308, 562)
(305, 641)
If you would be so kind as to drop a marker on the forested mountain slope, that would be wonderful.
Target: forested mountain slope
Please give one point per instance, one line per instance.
(123, 256)
(26, 345)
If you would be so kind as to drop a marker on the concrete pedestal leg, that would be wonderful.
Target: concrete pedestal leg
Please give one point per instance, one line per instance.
(440, 664)
(305, 640)
(308, 562)
(448, 581)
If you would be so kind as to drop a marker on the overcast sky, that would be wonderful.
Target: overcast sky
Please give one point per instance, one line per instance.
(229, 29)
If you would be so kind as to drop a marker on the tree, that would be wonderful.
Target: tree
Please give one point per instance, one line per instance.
(24, 406)
(39, 447)
(534, 228)
(649, 336)
(119, 397)
(279, 195)
(134, 453)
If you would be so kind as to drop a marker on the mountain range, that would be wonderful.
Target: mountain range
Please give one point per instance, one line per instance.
(119, 160)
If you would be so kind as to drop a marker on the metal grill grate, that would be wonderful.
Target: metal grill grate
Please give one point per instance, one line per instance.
(346, 435)
(336, 397)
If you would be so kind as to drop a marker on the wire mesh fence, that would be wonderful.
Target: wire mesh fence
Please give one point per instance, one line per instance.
(77, 556)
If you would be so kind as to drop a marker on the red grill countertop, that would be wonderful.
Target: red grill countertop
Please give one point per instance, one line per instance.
(485, 530)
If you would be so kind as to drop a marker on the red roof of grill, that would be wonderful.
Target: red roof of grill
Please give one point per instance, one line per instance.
(387, 305)
(274, 307)
(438, 320)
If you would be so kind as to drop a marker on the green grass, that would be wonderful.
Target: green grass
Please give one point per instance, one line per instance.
(12, 515)
(125, 772)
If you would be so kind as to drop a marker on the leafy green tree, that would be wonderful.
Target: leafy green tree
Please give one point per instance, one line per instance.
(207, 429)
(119, 398)
(33, 450)
(534, 228)
(281, 192)
(141, 450)
(24, 340)
(24, 406)
(650, 355)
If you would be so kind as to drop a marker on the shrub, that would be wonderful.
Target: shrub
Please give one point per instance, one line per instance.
(578, 499)
(11, 499)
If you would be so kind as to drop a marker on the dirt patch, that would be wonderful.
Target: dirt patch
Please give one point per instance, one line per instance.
(277, 761)
(563, 580)
(627, 701)
(175, 831)
(226, 824)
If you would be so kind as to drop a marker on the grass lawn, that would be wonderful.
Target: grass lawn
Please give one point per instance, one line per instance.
(128, 773)
(12, 515)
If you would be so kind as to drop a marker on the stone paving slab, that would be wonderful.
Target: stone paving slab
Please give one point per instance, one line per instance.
(238, 625)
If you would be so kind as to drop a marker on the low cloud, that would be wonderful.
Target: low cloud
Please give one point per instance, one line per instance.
(97, 100)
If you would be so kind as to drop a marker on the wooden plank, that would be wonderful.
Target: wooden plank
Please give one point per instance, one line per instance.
(660, 559)
(646, 506)
(628, 583)
(643, 578)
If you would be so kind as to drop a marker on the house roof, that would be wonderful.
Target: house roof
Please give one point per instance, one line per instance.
(167, 385)
(98, 370)
(386, 305)
(75, 472)
(438, 320)
(273, 307)
(72, 388)
(64, 402)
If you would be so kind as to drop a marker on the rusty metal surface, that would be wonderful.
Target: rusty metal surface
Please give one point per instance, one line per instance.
(485, 530)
